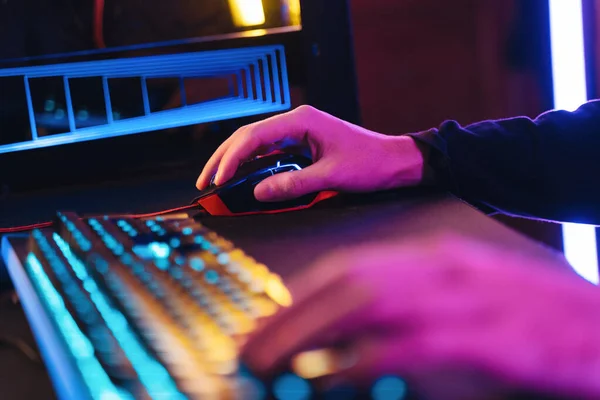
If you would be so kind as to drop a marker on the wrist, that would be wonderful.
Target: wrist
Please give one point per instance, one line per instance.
(409, 162)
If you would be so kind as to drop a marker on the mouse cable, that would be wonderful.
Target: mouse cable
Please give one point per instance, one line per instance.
(22, 346)
(40, 225)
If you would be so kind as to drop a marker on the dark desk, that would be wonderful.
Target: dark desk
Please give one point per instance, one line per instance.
(285, 242)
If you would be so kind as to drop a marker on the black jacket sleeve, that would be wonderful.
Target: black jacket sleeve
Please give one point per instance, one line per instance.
(546, 168)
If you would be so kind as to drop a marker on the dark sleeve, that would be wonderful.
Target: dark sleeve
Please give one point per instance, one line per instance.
(547, 168)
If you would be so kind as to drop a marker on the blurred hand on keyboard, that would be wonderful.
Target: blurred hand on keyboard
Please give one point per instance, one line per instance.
(456, 319)
(345, 157)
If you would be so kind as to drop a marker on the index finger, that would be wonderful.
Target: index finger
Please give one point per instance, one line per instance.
(291, 125)
(213, 162)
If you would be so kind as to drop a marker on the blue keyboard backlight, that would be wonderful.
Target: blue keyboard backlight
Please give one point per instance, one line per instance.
(100, 385)
(152, 374)
(160, 250)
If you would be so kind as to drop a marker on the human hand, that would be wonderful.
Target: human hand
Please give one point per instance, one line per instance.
(345, 156)
(456, 319)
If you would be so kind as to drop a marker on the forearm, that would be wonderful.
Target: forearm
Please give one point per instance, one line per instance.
(544, 168)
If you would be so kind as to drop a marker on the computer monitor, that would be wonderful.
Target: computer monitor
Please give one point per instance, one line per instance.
(103, 90)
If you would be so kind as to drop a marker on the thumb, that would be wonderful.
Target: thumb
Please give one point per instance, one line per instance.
(290, 185)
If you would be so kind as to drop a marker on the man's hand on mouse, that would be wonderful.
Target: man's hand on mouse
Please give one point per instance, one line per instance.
(457, 319)
(345, 156)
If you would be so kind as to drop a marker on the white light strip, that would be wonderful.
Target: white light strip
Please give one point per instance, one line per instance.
(570, 92)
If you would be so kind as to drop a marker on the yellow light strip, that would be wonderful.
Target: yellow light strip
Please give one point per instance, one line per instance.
(247, 12)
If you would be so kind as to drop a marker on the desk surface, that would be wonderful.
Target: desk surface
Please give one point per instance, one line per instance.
(285, 242)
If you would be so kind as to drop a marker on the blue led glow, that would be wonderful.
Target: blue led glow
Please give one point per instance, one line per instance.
(154, 250)
(187, 230)
(162, 263)
(197, 263)
(95, 377)
(291, 387)
(127, 228)
(152, 374)
(569, 81)
(107, 100)
(199, 239)
(59, 114)
(223, 258)
(160, 250)
(181, 66)
(82, 115)
(176, 273)
(110, 242)
(127, 259)
(389, 388)
(252, 388)
(211, 277)
(80, 239)
(49, 105)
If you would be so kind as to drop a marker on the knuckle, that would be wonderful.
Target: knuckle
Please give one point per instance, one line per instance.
(252, 140)
(306, 110)
(240, 132)
(290, 184)
(248, 130)
(328, 178)
(307, 116)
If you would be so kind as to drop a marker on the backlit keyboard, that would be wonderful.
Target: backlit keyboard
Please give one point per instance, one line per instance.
(156, 308)
(143, 308)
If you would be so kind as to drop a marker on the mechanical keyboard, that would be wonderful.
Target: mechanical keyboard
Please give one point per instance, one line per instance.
(148, 308)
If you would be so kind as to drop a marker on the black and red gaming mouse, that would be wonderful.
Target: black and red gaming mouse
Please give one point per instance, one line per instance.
(236, 196)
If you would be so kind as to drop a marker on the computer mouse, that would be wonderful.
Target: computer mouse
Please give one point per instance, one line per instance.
(236, 196)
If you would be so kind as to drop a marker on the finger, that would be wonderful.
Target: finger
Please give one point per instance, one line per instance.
(291, 185)
(304, 286)
(303, 327)
(213, 162)
(290, 125)
(212, 165)
(345, 303)
(315, 288)
(329, 301)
